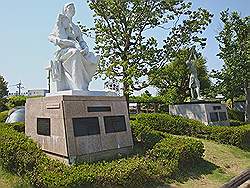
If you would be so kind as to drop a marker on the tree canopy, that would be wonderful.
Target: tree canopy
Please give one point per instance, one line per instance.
(234, 43)
(172, 80)
(128, 53)
(3, 87)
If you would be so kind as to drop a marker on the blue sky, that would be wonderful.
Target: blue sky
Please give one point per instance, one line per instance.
(25, 26)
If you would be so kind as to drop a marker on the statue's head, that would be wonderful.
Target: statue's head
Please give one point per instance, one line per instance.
(69, 10)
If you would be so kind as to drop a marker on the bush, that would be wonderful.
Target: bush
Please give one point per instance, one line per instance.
(21, 155)
(15, 101)
(18, 153)
(3, 105)
(186, 151)
(237, 136)
(235, 123)
(146, 135)
(150, 138)
(18, 126)
(236, 115)
(3, 116)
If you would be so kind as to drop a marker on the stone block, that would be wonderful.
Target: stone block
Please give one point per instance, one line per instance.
(210, 113)
(59, 113)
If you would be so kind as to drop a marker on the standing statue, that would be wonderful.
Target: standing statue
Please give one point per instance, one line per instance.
(73, 66)
(194, 83)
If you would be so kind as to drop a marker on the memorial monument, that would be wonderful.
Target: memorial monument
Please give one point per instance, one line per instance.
(72, 123)
(209, 112)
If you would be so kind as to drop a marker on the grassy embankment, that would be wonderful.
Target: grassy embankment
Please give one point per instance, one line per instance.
(222, 162)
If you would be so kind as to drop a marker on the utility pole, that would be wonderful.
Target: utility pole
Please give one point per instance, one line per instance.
(49, 74)
(19, 87)
(49, 80)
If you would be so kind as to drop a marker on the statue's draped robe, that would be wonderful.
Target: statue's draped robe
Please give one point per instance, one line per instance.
(193, 80)
(71, 69)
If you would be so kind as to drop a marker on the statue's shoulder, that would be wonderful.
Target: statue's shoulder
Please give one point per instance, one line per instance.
(76, 29)
(61, 17)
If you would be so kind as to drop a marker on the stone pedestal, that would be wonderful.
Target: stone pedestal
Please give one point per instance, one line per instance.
(82, 93)
(210, 113)
(76, 128)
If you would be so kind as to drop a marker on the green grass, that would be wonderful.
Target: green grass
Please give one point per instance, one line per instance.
(9, 180)
(221, 163)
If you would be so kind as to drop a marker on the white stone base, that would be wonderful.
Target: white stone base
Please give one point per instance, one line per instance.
(82, 93)
(201, 111)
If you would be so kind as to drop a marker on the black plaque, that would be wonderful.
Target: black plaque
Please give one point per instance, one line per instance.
(43, 126)
(86, 126)
(223, 116)
(217, 107)
(114, 124)
(99, 109)
(214, 116)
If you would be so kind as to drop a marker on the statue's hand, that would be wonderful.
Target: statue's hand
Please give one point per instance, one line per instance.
(64, 43)
(84, 51)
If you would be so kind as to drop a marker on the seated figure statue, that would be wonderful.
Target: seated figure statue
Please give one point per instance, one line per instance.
(73, 66)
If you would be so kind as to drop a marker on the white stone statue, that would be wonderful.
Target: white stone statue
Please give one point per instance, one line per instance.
(73, 66)
(194, 83)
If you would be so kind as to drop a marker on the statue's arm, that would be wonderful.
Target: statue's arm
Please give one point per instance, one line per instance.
(62, 43)
(82, 43)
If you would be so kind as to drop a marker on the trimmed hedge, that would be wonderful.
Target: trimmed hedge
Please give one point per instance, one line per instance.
(150, 138)
(236, 115)
(17, 152)
(3, 116)
(15, 101)
(3, 105)
(237, 136)
(147, 135)
(21, 155)
(186, 151)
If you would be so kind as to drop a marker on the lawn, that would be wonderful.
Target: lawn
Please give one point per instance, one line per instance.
(9, 180)
(220, 164)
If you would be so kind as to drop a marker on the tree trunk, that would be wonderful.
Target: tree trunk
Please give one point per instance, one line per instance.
(247, 112)
(138, 108)
(126, 93)
(232, 101)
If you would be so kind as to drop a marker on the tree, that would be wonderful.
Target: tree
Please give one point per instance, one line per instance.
(3, 87)
(128, 55)
(173, 79)
(234, 44)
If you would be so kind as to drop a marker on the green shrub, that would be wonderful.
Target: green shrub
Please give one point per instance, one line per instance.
(150, 138)
(18, 153)
(133, 172)
(186, 151)
(237, 136)
(21, 155)
(137, 129)
(3, 116)
(15, 101)
(3, 105)
(146, 135)
(235, 123)
(236, 115)
(18, 126)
